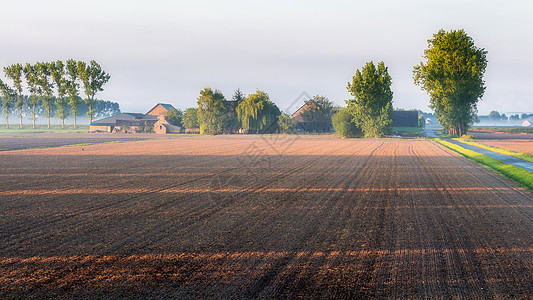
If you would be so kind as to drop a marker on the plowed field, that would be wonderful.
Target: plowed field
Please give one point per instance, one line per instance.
(260, 217)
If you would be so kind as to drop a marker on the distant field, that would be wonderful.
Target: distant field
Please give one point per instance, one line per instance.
(504, 129)
(46, 140)
(518, 142)
(261, 217)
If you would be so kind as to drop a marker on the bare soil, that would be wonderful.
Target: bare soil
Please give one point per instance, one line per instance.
(260, 217)
(522, 143)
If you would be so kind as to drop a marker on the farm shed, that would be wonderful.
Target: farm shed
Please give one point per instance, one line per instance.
(405, 121)
(137, 122)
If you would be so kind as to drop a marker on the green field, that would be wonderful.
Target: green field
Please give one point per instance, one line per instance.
(14, 128)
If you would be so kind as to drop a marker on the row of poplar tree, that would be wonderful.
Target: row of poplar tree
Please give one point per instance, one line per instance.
(52, 85)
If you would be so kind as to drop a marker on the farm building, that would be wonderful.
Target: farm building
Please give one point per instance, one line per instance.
(137, 122)
(405, 121)
(527, 123)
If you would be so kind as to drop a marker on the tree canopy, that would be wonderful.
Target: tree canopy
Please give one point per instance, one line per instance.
(257, 113)
(452, 75)
(372, 103)
(212, 111)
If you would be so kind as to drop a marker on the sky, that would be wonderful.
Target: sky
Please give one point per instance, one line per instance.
(167, 51)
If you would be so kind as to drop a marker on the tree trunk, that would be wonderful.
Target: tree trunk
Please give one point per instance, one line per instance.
(62, 123)
(20, 116)
(33, 115)
(74, 120)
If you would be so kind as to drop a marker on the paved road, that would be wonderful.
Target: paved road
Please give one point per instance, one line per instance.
(501, 157)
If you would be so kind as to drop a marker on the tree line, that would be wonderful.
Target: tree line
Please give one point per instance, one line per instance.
(254, 113)
(54, 88)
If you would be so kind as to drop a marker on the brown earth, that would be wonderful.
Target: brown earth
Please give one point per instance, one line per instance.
(254, 217)
(522, 143)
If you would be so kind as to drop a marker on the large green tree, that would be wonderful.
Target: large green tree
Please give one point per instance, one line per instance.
(257, 113)
(190, 118)
(32, 82)
(45, 90)
(452, 75)
(57, 70)
(174, 117)
(372, 103)
(343, 124)
(286, 124)
(15, 72)
(212, 111)
(72, 87)
(93, 78)
(317, 117)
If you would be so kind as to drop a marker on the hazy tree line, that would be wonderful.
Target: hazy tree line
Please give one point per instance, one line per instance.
(54, 90)
(254, 113)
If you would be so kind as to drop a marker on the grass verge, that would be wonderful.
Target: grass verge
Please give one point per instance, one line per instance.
(518, 175)
(504, 129)
(524, 156)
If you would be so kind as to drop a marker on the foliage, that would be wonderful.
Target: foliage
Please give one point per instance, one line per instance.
(421, 121)
(257, 113)
(72, 87)
(93, 79)
(57, 70)
(372, 103)
(45, 87)
(212, 111)
(190, 118)
(453, 77)
(30, 73)
(286, 124)
(494, 116)
(317, 117)
(15, 72)
(174, 117)
(343, 124)
(7, 100)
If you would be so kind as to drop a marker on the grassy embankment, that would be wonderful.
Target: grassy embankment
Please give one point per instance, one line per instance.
(519, 175)
(14, 128)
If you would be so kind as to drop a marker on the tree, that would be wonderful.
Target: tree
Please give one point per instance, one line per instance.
(45, 87)
(421, 121)
(57, 70)
(318, 117)
(72, 86)
(190, 118)
(93, 78)
(494, 116)
(344, 125)
(174, 117)
(514, 117)
(7, 100)
(257, 113)
(238, 96)
(372, 103)
(212, 111)
(30, 73)
(286, 124)
(452, 75)
(14, 72)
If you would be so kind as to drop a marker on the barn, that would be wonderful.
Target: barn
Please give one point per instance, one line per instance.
(137, 122)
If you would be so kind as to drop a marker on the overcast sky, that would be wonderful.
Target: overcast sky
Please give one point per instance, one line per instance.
(167, 51)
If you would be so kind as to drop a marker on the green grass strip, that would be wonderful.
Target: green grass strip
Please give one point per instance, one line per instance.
(518, 175)
(524, 156)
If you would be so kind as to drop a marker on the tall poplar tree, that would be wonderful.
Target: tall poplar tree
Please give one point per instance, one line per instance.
(30, 73)
(452, 75)
(72, 87)
(15, 72)
(372, 103)
(93, 78)
(45, 87)
(7, 100)
(57, 70)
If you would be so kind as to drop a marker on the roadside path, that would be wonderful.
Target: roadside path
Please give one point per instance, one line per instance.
(501, 157)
